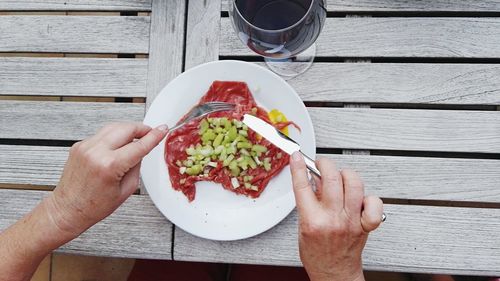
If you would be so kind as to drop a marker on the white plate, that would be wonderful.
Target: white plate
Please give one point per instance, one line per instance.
(216, 213)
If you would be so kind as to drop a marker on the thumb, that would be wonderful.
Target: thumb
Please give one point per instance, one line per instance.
(130, 181)
(371, 217)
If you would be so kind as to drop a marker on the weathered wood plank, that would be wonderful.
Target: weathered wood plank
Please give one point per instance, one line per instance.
(166, 45)
(421, 239)
(79, 34)
(136, 230)
(406, 6)
(393, 37)
(62, 120)
(75, 5)
(202, 29)
(73, 77)
(398, 129)
(473, 180)
(426, 178)
(32, 165)
(400, 83)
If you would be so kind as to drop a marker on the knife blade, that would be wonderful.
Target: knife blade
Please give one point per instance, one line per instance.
(279, 139)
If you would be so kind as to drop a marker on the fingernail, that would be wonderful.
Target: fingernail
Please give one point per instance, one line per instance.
(296, 156)
(162, 128)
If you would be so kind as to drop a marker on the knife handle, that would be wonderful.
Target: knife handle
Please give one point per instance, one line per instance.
(311, 165)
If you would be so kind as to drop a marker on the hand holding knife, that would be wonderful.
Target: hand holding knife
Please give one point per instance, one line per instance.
(282, 141)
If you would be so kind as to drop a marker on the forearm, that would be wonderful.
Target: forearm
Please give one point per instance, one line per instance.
(28, 241)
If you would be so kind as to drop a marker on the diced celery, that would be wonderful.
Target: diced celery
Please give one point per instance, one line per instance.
(238, 123)
(244, 145)
(256, 159)
(267, 166)
(244, 152)
(243, 133)
(203, 126)
(226, 140)
(191, 150)
(206, 150)
(254, 188)
(218, 149)
(245, 127)
(227, 124)
(218, 140)
(228, 160)
(223, 155)
(231, 150)
(208, 136)
(235, 171)
(219, 130)
(178, 163)
(216, 122)
(235, 183)
(194, 170)
(279, 155)
(259, 148)
(247, 185)
(250, 162)
(242, 163)
(212, 164)
(182, 170)
(232, 133)
(188, 163)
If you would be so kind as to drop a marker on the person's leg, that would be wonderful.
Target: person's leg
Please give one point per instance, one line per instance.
(265, 273)
(154, 270)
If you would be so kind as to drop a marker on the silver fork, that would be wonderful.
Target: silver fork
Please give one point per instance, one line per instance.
(203, 110)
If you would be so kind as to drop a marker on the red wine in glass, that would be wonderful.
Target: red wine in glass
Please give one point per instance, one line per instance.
(280, 30)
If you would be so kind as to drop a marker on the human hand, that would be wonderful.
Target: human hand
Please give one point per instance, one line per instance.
(334, 222)
(100, 174)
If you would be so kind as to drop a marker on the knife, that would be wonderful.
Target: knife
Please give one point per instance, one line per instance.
(279, 139)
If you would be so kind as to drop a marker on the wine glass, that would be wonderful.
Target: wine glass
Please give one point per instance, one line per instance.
(282, 31)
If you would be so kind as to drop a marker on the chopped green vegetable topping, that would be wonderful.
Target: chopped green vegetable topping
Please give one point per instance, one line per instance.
(225, 141)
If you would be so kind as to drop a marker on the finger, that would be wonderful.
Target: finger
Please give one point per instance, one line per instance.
(317, 184)
(130, 181)
(120, 134)
(132, 153)
(354, 193)
(332, 191)
(371, 217)
(304, 195)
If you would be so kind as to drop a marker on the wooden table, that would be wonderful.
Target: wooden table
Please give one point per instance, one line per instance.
(405, 92)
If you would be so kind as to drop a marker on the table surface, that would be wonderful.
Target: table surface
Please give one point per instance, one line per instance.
(405, 92)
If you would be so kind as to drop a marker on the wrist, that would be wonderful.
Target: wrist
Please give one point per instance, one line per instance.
(338, 276)
(61, 217)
